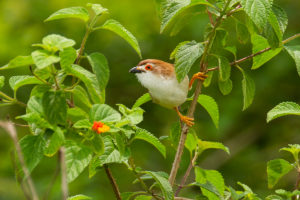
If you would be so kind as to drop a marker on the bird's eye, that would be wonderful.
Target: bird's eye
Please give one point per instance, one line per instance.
(148, 67)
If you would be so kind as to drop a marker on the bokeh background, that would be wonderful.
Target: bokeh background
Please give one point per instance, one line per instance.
(251, 140)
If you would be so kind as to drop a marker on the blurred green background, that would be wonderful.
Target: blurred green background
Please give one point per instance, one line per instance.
(251, 140)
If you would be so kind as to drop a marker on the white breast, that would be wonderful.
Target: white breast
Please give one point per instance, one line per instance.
(165, 91)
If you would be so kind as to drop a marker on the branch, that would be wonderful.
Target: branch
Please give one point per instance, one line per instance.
(192, 107)
(113, 182)
(64, 180)
(256, 54)
(10, 128)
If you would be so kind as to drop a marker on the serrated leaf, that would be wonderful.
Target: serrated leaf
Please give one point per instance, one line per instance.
(100, 68)
(33, 150)
(16, 82)
(19, 61)
(215, 178)
(97, 8)
(134, 115)
(43, 58)
(54, 142)
(81, 98)
(248, 88)
(142, 134)
(119, 29)
(283, 109)
(77, 159)
(163, 183)
(104, 113)
(175, 13)
(258, 11)
(67, 57)
(185, 57)
(259, 43)
(72, 12)
(294, 52)
(225, 86)
(79, 197)
(2, 79)
(57, 42)
(204, 145)
(84, 123)
(34, 104)
(276, 169)
(174, 52)
(36, 118)
(211, 107)
(281, 17)
(294, 149)
(90, 81)
(55, 107)
(175, 132)
(143, 99)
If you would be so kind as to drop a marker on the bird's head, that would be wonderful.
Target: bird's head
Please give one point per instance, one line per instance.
(151, 72)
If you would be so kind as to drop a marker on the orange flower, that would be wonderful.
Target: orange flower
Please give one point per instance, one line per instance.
(100, 127)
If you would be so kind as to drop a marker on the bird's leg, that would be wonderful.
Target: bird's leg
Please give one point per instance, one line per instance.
(188, 120)
(200, 75)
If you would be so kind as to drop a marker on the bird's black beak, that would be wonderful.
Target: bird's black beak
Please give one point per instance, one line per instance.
(137, 69)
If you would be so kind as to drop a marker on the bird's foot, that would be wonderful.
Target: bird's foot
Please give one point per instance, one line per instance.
(187, 120)
(200, 76)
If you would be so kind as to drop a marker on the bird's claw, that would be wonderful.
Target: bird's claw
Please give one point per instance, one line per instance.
(187, 120)
(200, 75)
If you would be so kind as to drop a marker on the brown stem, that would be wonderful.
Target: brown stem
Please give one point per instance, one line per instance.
(10, 128)
(64, 180)
(256, 54)
(185, 128)
(187, 173)
(113, 182)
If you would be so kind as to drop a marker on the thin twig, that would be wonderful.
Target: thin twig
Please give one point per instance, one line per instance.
(197, 92)
(64, 180)
(113, 182)
(12, 100)
(36, 76)
(56, 173)
(10, 128)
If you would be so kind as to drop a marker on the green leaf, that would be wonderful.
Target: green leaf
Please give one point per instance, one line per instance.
(54, 142)
(79, 197)
(43, 58)
(2, 80)
(77, 159)
(281, 17)
(143, 99)
(258, 11)
(163, 183)
(90, 81)
(215, 178)
(260, 43)
(283, 109)
(119, 29)
(204, 145)
(135, 115)
(16, 82)
(174, 52)
(33, 150)
(57, 42)
(225, 86)
(98, 145)
(142, 134)
(34, 104)
(19, 61)
(276, 169)
(143, 197)
(55, 107)
(294, 149)
(175, 134)
(294, 52)
(36, 118)
(176, 13)
(100, 68)
(191, 141)
(211, 107)
(211, 191)
(185, 57)
(75, 114)
(98, 9)
(72, 12)
(207, 81)
(248, 87)
(81, 98)
(104, 113)
(273, 197)
(242, 32)
(84, 123)
(67, 57)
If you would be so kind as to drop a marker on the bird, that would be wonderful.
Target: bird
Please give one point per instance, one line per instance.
(159, 78)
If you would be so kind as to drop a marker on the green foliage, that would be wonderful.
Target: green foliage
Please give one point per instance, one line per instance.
(104, 113)
(55, 142)
(43, 58)
(79, 197)
(294, 51)
(55, 42)
(225, 86)
(185, 57)
(248, 88)
(2, 79)
(143, 99)
(73, 12)
(16, 82)
(224, 68)
(294, 149)
(98, 9)
(19, 61)
(211, 107)
(204, 145)
(116, 27)
(283, 109)
(276, 169)
(67, 57)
